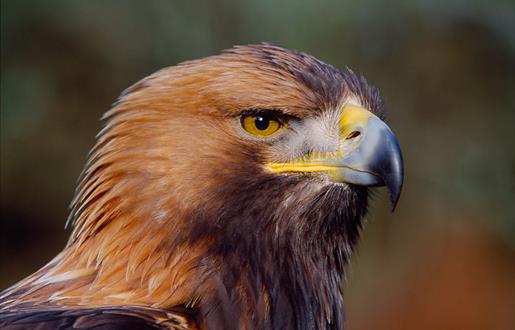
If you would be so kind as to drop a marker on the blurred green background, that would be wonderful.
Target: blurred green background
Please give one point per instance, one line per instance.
(444, 260)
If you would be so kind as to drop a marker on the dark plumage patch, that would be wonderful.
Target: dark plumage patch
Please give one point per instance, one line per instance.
(274, 250)
(369, 95)
(106, 318)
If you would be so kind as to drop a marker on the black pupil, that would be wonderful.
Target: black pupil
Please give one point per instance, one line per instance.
(262, 123)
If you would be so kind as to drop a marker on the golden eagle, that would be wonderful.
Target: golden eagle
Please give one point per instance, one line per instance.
(222, 193)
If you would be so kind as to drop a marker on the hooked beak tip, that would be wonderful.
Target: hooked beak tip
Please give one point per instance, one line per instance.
(378, 160)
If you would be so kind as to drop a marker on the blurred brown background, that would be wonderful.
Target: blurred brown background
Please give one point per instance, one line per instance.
(444, 260)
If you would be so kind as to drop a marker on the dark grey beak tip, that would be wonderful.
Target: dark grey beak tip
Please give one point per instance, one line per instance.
(386, 162)
(395, 176)
(394, 198)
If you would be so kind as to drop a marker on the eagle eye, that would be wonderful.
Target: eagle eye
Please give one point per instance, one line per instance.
(261, 124)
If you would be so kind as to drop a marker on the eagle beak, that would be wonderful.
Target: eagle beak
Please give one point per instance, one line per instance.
(368, 154)
(374, 160)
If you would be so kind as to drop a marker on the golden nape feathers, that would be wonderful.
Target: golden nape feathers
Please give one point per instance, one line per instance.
(222, 193)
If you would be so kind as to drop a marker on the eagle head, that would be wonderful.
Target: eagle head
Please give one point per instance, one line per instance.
(232, 188)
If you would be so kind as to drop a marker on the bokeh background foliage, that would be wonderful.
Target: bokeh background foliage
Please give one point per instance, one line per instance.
(444, 260)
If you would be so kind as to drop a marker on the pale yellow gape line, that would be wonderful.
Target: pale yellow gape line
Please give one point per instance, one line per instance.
(297, 166)
(353, 118)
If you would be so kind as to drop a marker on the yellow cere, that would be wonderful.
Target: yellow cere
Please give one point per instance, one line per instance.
(261, 125)
(352, 118)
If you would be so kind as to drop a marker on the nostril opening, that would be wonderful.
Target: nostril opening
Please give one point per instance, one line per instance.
(352, 135)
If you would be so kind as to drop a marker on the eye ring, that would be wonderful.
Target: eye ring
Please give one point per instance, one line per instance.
(263, 124)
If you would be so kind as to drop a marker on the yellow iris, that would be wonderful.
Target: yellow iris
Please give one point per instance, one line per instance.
(261, 125)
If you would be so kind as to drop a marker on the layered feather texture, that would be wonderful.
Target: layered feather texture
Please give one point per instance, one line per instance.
(176, 222)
